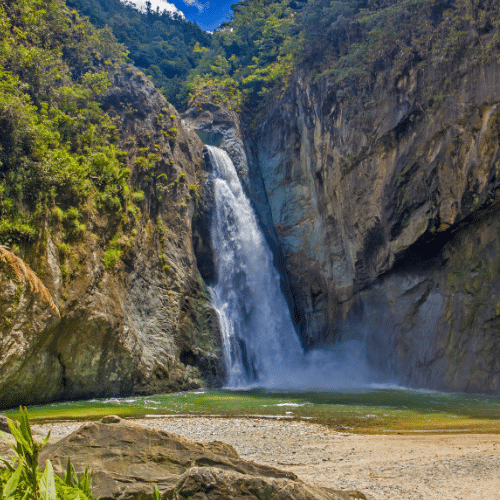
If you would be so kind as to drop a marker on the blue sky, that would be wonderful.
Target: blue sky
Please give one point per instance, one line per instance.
(208, 14)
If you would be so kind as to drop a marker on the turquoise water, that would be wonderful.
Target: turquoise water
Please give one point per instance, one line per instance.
(373, 408)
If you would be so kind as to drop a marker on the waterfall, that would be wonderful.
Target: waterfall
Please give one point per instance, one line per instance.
(261, 348)
(258, 334)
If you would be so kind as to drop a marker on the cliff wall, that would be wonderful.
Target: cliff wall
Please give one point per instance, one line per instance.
(386, 207)
(135, 315)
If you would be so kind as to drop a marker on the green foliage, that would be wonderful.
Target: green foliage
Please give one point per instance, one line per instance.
(72, 225)
(57, 146)
(359, 44)
(353, 45)
(163, 47)
(114, 252)
(156, 493)
(111, 257)
(27, 482)
(138, 196)
(251, 58)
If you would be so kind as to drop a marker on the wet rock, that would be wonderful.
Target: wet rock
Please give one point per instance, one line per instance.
(370, 198)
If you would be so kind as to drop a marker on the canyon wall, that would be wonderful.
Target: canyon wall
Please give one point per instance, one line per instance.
(142, 323)
(386, 209)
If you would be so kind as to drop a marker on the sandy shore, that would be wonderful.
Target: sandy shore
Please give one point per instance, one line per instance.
(420, 466)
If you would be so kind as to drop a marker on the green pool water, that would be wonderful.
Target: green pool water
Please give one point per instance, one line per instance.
(363, 411)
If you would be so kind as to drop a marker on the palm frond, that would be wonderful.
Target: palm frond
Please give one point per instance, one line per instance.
(24, 272)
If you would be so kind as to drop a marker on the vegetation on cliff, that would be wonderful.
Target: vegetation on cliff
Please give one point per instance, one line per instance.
(251, 57)
(160, 44)
(59, 158)
(354, 43)
(351, 43)
(99, 181)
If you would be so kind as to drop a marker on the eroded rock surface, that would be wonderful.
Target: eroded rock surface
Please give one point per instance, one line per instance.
(144, 325)
(385, 209)
(128, 459)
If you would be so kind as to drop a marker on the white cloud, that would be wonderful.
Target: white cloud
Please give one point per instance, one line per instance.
(194, 3)
(162, 4)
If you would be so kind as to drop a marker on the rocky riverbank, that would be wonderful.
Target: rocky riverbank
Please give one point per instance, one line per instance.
(445, 467)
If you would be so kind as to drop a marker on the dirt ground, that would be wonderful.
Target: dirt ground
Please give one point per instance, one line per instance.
(420, 466)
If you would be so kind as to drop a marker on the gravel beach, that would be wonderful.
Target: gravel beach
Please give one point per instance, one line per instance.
(421, 466)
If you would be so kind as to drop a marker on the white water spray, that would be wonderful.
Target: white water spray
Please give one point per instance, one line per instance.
(261, 348)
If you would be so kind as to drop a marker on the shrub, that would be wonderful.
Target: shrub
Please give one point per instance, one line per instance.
(72, 225)
(27, 482)
(138, 196)
(111, 256)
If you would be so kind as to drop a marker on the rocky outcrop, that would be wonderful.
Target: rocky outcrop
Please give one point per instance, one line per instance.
(386, 209)
(135, 315)
(4, 426)
(223, 128)
(219, 127)
(128, 459)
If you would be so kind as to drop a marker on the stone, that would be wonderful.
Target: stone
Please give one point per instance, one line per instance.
(4, 426)
(128, 460)
(111, 419)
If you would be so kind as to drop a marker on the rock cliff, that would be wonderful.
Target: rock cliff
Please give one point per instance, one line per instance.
(135, 315)
(386, 208)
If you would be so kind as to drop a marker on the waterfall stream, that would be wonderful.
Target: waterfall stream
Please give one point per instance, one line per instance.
(261, 348)
(258, 334)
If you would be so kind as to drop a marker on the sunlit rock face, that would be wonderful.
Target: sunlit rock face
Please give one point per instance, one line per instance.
(386, 212)
(145, 325)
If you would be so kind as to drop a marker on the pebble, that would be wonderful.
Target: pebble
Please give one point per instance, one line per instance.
(383, 467)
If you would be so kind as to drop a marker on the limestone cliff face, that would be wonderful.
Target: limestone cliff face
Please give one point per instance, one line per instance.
(144, 325)
(386, 211)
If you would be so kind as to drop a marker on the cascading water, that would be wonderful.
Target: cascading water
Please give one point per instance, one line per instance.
(259, 337)
(261, 348)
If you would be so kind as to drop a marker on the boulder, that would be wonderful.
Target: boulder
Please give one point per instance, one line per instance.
(4, 426)
(129, 459)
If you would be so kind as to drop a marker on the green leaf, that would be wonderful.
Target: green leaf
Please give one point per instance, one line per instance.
(13, 482)
(156, 493)
(45, 441)
(47, 483)
(24, 447)
(68, 475)
(84, 483)
(25, 425)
